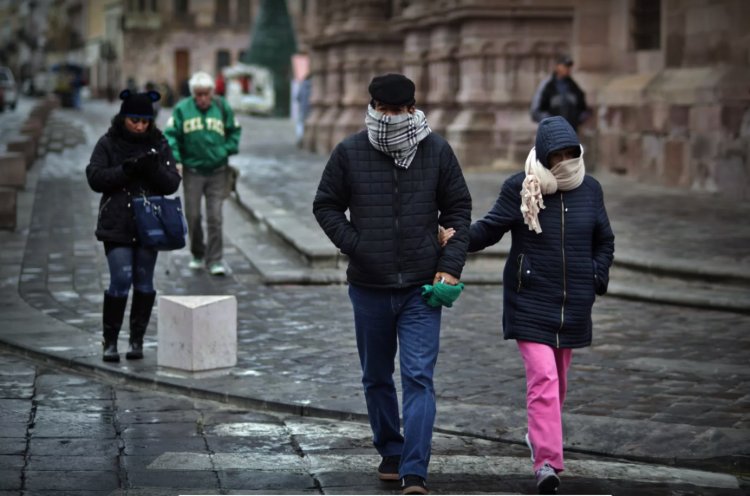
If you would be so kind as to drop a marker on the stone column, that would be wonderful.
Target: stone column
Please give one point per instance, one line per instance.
(415, 64)
(333, 16)
(368, 47)
(471, 132)
(356, 42)
(331, 100)
(442, 77)
(318, 75)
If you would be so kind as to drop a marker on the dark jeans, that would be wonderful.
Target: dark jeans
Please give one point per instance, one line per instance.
(130, 266)
(384, 321)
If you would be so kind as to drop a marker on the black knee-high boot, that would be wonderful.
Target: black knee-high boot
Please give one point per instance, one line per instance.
(112, 316)
(140, 313)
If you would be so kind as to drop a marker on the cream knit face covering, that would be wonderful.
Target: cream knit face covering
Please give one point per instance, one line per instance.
(565, 176)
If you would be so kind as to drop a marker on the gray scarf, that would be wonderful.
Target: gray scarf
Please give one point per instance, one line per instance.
(397, 135)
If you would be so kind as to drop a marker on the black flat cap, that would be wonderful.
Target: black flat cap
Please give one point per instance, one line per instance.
(565, 60)
(392, 89)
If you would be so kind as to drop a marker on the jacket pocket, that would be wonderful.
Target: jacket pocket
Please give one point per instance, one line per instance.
(600, 283)
(524, 273)
(104, 206)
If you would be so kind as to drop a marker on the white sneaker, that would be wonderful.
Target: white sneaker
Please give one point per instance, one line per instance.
(196, 264)
(547, 480)
(531, 448)
(217, 269)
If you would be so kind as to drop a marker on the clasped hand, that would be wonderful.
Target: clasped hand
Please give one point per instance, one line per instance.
(142, 164)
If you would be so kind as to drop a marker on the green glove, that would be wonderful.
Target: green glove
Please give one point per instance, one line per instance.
(441, 294)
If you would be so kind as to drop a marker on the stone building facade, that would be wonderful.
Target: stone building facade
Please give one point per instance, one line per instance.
(668, 80)
(167, 41)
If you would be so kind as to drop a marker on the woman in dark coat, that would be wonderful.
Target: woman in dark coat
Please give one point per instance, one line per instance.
(561, 251)
(130, 160)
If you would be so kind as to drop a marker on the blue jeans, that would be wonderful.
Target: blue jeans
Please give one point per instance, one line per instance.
(130, 265)
(384, 320)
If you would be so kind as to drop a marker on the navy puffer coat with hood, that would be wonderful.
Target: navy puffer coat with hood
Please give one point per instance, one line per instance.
(551, 279)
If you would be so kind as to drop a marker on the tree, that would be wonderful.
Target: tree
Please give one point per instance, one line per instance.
(272, 46)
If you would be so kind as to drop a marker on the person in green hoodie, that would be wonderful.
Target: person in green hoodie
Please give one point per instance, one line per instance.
(203, 132)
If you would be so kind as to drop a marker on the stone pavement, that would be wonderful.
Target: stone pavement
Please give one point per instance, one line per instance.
(71, 433)
(662, 383)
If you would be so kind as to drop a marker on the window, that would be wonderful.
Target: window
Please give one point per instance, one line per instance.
(221, 14)
(144, 5)
(646, 24)
(223, 59)
(243, 12)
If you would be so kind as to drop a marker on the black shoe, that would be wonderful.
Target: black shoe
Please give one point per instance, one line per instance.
(547, 480)
(413, 484)
(388, 468)
(135, 351)
(110, 352)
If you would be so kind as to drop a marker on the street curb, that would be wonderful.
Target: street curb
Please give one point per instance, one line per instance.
(325, 263)
(315, 246)
(118, 376)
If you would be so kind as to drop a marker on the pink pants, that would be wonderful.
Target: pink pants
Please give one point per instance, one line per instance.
(546, 383)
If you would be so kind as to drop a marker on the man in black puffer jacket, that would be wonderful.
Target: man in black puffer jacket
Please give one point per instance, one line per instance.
(398, 181)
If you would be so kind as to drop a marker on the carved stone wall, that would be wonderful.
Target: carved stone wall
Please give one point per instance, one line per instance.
(677, 114)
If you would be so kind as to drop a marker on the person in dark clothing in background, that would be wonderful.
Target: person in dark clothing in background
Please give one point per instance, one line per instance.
(560, 95)
(561, 250)
(397, 179)
(130, 160)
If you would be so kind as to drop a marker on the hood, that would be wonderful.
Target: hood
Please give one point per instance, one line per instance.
(554, 133)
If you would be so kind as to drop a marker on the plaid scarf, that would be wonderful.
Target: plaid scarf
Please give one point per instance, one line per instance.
(397, 135)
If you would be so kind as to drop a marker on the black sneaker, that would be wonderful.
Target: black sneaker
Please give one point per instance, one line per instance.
(388, 468)
(547, 480)
(413, 484)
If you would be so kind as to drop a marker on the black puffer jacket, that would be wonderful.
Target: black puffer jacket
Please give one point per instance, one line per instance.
(105, 175)
(391, 236)
(551, 278)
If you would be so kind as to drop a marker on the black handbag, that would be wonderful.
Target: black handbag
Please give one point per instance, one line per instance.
(160, 222)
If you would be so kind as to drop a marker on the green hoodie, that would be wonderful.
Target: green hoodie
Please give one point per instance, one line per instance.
(202, 140)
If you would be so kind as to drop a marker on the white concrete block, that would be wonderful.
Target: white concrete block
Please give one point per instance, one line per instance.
(197, 332)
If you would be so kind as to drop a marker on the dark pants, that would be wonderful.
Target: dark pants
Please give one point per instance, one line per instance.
(384, 321)
(213, 187)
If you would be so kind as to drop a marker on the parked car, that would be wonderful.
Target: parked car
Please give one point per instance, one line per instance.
(8, 89)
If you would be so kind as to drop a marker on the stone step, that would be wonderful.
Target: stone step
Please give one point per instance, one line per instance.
(287, 251)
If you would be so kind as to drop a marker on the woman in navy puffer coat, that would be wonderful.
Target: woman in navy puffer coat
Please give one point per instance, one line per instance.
(561, 251)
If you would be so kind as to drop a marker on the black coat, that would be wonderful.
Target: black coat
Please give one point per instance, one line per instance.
(551, 279)
(391, 236)
(571, 106)
(105, 175)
